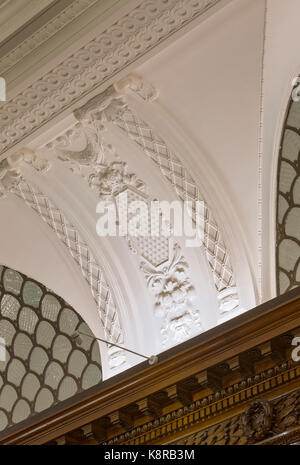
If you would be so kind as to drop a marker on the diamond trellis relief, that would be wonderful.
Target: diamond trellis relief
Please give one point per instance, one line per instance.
(2, 89)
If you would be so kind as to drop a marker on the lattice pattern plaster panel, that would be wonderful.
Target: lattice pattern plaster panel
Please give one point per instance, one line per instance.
(166, 274)
(174, 171)
(43, 365)
(288, 203)
(107, 178)
(113, 50)
(81, 253)
(154, 249)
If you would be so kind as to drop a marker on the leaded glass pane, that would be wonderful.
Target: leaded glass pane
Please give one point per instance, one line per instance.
(12, 281)
(8, 397)
(38, 360)
(7, 331)
(30, 386)
(67, 388)
(61, 348)
(43, 365)
(22, 346)
(28, 320)
(68, 321)
(50, 307)
(45, 334)
(21, 411)
(9, 307)
(3, 420)
(77, 363)
(54, 374)
(44, 400)
(288, 203)
(91, 376)
(15, 372)
(32, 294)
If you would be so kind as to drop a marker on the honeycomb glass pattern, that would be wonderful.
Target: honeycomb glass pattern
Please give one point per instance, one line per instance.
(288, 203)
(43, 365)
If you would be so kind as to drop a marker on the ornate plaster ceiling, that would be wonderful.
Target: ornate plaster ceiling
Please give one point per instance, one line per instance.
(159, 100)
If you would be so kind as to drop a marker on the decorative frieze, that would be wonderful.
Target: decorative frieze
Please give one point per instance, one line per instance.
(256, 424)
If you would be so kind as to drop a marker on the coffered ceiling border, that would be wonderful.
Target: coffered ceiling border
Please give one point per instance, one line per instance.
(123, 43)
(41, 35)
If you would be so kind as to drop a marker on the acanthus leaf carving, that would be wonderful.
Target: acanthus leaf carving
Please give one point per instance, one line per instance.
(93, 109)
(106, 178)
(110, 179)
(32, 158)
(143, 89)
(174, 295)
(9, 178)
(257, 420)
(11, 168)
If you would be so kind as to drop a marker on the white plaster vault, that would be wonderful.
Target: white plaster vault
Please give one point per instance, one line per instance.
(168, 100)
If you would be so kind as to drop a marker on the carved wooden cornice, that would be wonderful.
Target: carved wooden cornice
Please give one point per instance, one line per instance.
(264, 423)
(194, 385)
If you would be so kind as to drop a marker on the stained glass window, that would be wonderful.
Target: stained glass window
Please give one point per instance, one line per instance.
(288, 203)
(43, 365)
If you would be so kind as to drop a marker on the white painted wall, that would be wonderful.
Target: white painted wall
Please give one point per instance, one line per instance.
(282, 64)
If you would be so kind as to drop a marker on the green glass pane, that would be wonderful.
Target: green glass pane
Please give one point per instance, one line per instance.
(67, 388)
(27, 320)
(77, 363)
(10, 307)
(12, 281)
(21, 411)
(44, 400)
(30, 386)
(91, 376)
(50, 307)
(32, 294)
